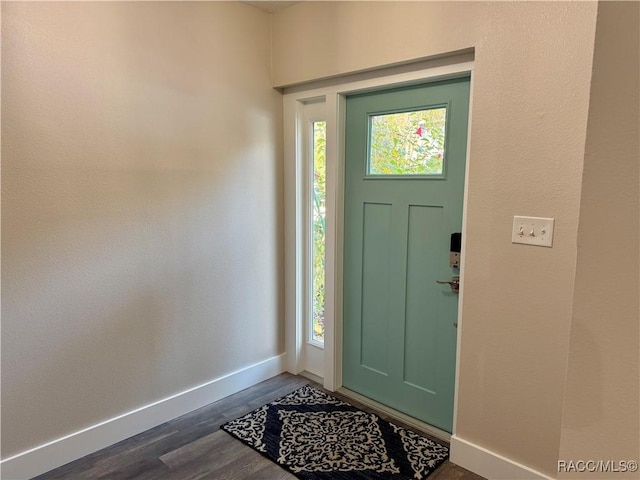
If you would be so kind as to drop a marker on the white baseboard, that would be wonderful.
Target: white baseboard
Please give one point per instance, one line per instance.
(490, 464)
(76, 445)
(312, 376)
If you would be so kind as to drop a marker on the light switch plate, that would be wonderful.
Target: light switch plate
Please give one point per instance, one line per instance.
(533, 231)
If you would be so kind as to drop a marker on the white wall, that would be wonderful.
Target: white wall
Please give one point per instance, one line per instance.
(601, 416)
(141, 207)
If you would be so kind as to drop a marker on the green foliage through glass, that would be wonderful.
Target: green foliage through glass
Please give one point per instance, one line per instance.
(408, 143)
(319, 210)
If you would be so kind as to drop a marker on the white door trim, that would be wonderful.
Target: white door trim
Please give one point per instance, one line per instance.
(312, 353)
(335, 101)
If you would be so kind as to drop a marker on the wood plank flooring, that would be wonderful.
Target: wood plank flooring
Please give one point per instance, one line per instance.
(193, 446)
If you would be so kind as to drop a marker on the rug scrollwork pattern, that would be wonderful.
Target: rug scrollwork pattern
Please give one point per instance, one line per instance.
(308, 396)
(250, 428)
(424, 454)
(319, 437)
(330, 441)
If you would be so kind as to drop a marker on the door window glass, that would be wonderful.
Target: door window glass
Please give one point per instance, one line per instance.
(407, 143)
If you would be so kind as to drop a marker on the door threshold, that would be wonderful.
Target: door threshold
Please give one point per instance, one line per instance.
(401, 417)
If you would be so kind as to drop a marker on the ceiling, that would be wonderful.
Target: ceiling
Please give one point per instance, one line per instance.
(270, 7)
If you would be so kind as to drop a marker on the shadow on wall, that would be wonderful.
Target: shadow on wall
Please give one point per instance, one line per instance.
(590, 406)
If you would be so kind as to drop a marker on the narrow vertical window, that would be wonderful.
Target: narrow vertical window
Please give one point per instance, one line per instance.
(318, 233)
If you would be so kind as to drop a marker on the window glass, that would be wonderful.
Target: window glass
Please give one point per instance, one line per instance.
(407, 143)
(318, 235)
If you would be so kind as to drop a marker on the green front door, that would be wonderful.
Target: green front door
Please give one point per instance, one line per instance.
(404, 181)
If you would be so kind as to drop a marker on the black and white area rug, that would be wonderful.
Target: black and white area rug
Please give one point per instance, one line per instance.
(318, 437)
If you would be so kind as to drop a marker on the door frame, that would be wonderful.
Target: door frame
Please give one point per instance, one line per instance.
(334, 92)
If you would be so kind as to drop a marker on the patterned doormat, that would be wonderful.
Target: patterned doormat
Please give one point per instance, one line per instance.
(318, 437)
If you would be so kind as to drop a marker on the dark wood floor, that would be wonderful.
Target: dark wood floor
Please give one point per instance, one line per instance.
(193, 446)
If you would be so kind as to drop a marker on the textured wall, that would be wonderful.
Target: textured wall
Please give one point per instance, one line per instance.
(601, 418)
(529, 116)
(141, 207)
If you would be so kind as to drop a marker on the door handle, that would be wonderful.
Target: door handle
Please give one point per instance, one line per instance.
(454, 283)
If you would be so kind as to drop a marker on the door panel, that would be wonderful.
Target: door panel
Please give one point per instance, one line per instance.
(376, 265)
(425, 223)
(399, 333)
